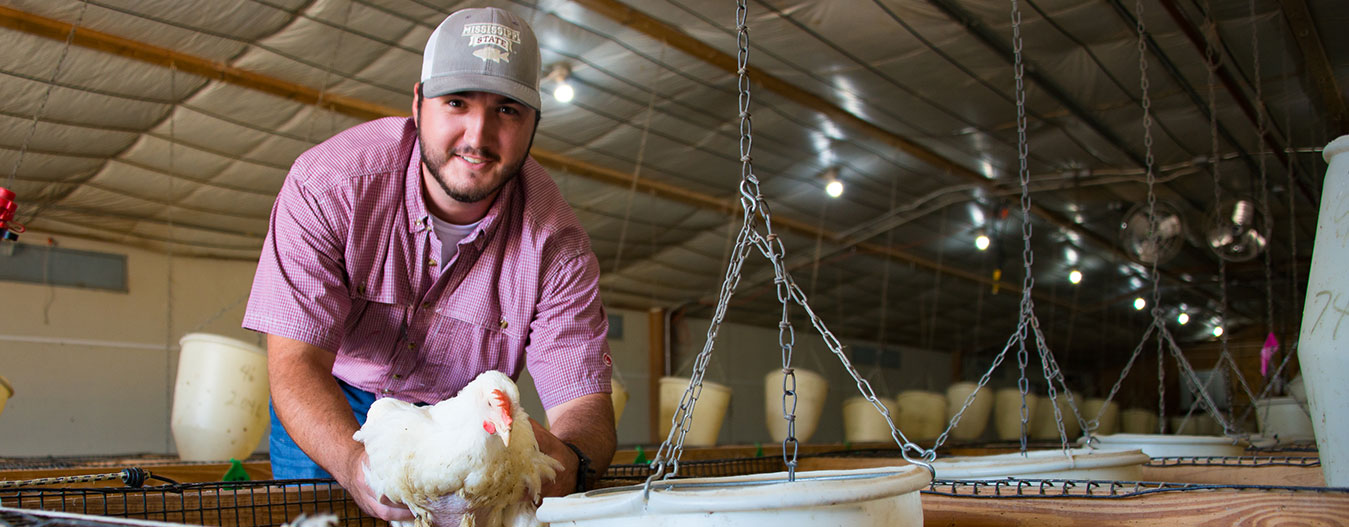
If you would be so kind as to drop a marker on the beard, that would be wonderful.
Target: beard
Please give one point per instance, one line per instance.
(436, 163)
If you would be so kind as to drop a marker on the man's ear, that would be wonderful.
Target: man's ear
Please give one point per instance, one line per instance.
(416, 103)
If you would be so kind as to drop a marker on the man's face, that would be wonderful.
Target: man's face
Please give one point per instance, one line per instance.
(472, 143)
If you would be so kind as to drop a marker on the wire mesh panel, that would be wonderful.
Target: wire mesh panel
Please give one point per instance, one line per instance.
(226, 504)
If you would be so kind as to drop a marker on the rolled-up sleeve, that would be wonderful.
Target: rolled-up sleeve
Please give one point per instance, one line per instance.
(567, 353)
(300, 288)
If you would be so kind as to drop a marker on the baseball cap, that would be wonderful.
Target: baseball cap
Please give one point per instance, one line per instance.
(483, 49)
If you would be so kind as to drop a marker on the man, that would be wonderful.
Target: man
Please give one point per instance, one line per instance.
(406, 256)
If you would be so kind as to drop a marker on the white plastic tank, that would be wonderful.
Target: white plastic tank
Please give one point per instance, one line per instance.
(975, 419)
(811, 392)
(6, 391)
(1284, 417)
(1139, 421)
(1046, 427)
(219, 398)
(1321, 352)
(922, 414)
(707, 413)
(863, 423)
(1109, 419)
(1007, 413)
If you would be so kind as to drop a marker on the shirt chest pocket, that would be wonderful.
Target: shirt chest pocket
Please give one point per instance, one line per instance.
(460, 349)
(375, 327)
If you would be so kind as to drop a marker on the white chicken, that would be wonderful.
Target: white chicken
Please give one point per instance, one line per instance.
(468, 445)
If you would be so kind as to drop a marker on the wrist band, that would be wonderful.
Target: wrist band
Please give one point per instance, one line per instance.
(583, 471)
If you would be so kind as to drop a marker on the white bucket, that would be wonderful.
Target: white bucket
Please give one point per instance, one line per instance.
(1139, 421)
(1298, 391)
(219, 398)
(1321, 354)
(619, 395)
(975, 418)
(811, 392)
(922, 414)
(1199, 424)
(879, 497)
(1045, 427)
(1284, 417)
(1007, 413)
(863, 423)
(6, 391)
(707, 413)
(1082, 463)
(1167, 445)
(1109, 421)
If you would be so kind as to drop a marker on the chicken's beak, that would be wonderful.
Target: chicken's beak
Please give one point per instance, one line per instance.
(505, 435)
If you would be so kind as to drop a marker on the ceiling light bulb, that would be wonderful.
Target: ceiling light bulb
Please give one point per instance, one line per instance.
(1183, 318)
(564, 92)
(1139, 303)
(981, 242)
(1075, 276)
(1217, 331)
(834, 188)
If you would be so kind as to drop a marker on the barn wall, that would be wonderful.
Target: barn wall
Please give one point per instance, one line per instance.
(93, 370)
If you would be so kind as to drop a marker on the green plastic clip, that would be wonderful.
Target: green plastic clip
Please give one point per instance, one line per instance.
(758, 449)
(641, 456)
(236, 472)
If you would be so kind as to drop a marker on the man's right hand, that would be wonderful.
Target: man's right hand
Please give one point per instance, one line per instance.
(378, 506)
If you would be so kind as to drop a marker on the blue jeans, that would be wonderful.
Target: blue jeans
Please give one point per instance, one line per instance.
(288, 461)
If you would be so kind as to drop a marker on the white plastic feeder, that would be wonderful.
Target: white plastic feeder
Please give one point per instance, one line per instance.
(1167, 445)
(619, 395)
(1078, 463)
(1139, 421)
(1199, 424)
(863, 423)
(1109, 421)
(922, 414)
(883, 496)
(1044, 425)
(6, 391)
(219, 398)
(707, 414)
(1285, 418)
(811, 392)
(1007, 413)
(1321, 353)
(975, 419)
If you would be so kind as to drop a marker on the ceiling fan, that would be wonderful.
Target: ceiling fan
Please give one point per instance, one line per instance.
(1234, 230)
(1145, 245)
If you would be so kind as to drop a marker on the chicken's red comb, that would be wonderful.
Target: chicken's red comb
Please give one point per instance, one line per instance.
(505, 403)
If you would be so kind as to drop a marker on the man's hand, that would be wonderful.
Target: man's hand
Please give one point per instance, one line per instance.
(353, 480)
(564, 482)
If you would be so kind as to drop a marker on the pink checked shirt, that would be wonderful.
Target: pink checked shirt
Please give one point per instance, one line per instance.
(350, 265)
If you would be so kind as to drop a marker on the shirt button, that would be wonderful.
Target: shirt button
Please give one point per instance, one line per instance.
(431, 262)
(420, 222)
(386, 390)
(504, 324)
(397, 376)
(412, 345)
(426, 305)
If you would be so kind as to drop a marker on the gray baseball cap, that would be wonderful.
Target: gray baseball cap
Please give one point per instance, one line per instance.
(483, 49)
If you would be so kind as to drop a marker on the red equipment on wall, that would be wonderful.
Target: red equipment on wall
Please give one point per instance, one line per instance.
(9, 229)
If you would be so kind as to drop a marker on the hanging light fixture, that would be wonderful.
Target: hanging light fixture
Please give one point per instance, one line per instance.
(1183, 318)
(1139, 303)
(981, 242)
(1217, 331)
(833, 187)
(1075, 276)
(562, 90)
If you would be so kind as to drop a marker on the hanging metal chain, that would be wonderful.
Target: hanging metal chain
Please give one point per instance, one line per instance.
(754, 207)
(46, 95)
(1261, 129)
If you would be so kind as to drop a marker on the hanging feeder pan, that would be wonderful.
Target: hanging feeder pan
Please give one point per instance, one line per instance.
(1166, 445)
(885, 496)
(1077, 463)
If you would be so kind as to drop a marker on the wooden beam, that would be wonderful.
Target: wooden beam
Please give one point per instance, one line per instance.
(655, 369)
(1301, 22)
